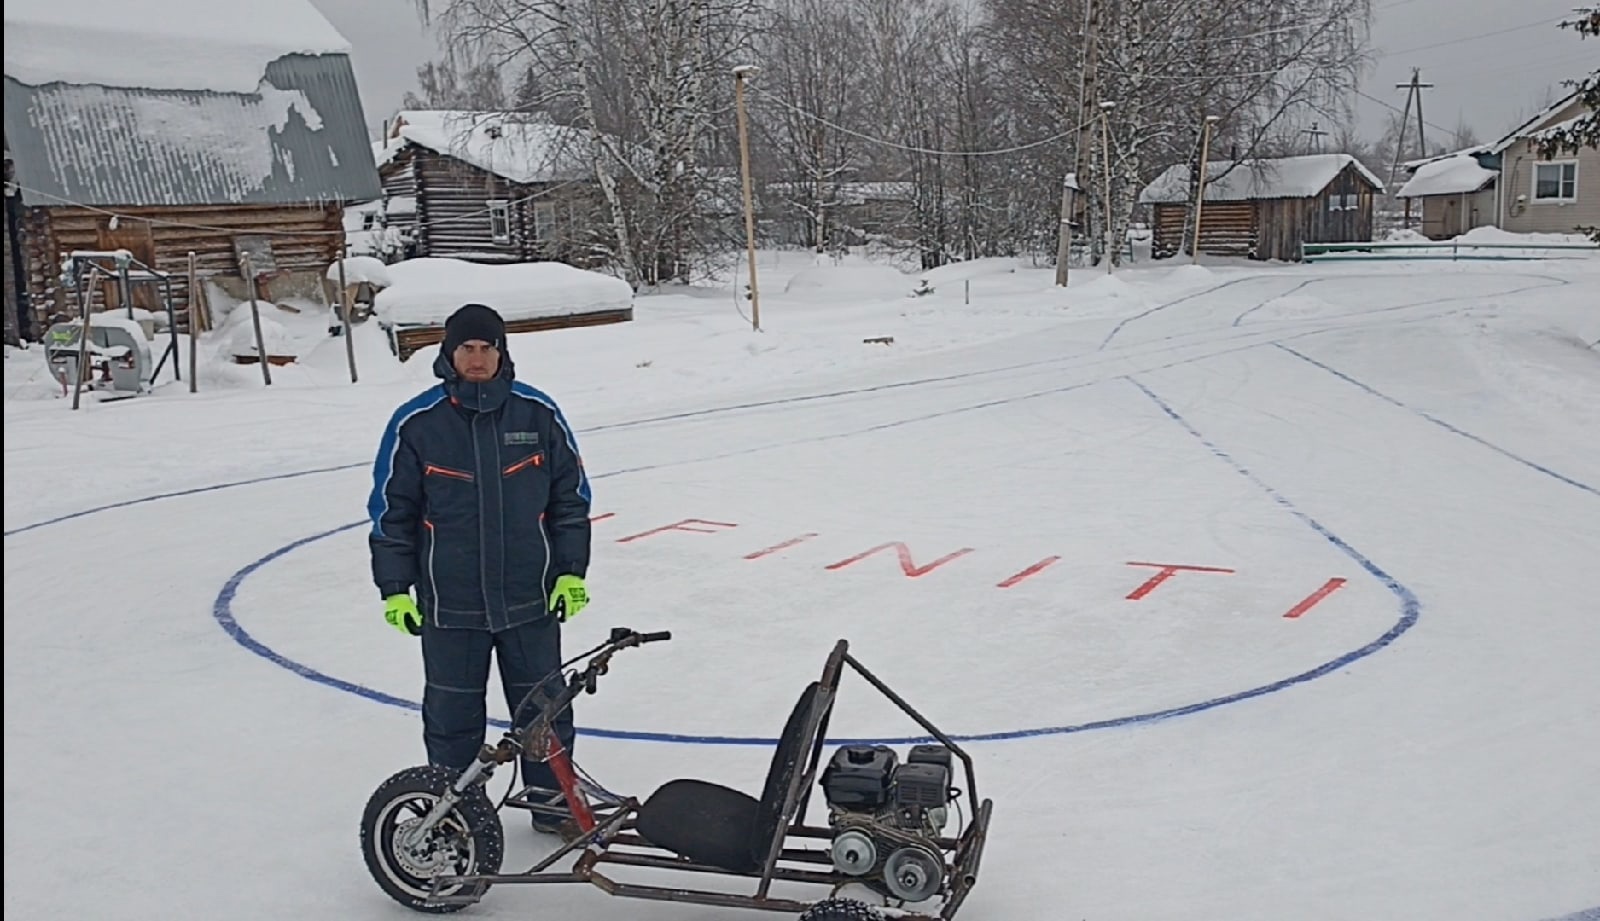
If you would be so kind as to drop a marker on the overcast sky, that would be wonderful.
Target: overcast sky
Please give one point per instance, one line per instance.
(1492, 62)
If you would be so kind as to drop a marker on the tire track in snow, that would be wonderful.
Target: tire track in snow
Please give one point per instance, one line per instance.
(1532, 465)
(1558, 283)
(1161, 346)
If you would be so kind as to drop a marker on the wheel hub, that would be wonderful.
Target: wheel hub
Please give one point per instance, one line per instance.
(431, 855)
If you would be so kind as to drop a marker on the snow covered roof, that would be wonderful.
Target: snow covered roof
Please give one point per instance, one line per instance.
(1458, 175)
(426, 291)
(1412, 166)
(518, 148)
(1539, 124)
(854, 192)
(160, 44)
(1287, 177)
(298, 138)
(182, 102)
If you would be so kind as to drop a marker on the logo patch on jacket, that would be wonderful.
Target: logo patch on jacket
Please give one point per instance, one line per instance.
(522, 438)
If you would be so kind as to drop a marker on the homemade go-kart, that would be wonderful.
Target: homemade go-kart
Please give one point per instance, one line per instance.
(434, 841)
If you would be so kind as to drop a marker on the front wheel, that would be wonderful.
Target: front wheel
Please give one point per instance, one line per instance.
(841, 910)
(469, 839)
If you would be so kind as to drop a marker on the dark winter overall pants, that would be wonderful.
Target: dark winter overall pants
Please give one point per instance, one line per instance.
(453, 703)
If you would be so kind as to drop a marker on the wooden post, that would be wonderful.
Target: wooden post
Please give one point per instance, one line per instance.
(1112, 245)
(255, 319)
(346, 308)
(1088, 88)
(194, 318)
(1200, 199)
(84, 308)
(739, 74)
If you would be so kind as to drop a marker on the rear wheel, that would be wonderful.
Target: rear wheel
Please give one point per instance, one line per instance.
(841, 910)
(468, 840)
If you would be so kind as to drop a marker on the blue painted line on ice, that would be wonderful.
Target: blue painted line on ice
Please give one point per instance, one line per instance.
(178, 493)
(1410, 610)
(1439, 422)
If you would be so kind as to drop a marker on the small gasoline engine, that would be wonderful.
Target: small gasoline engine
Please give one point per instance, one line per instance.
(887, 815)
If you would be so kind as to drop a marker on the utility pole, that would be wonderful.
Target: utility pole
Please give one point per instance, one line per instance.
(1088, 87)
(1200, 196)
(1413, 90)
(1317, 133)
(1111, 242)
(739, 75)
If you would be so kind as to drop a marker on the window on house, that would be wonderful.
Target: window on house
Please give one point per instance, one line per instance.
(544, 221)
(1555, 181)
(500, 221)
(1344, 202)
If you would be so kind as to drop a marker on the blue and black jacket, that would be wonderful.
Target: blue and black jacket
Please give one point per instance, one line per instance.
(479, 501)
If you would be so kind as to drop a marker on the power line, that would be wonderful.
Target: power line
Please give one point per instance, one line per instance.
(1394, 108)
(1473, 38)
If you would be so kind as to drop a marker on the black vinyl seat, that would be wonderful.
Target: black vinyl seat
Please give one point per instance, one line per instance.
(722, 827)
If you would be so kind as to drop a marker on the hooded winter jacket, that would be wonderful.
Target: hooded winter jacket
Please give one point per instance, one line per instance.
(479, 501)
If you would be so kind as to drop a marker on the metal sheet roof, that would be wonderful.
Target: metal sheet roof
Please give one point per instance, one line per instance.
(301, 137)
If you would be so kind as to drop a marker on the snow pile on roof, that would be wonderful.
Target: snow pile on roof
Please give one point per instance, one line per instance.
(499, 142)
(361, 269)
(1412, 166)
(1450, 176)
(220, 143)
(160, 44)
(427, 291)
(1289, 177)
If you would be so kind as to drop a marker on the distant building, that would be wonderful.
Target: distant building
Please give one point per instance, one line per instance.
(835, 214)
(488, 187)
(1506, 183)
(1455, 194)
(1265, 209)
(166, 131)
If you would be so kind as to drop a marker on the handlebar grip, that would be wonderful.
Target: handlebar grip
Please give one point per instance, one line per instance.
(653, 637)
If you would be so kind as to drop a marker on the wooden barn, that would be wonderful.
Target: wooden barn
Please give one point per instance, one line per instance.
(1265, 209)
(490, 187)
(118, 142)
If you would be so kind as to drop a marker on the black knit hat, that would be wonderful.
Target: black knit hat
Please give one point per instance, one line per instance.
(474, 321)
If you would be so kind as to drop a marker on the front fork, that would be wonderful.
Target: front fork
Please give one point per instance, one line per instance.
(478, 772)
(482, 768)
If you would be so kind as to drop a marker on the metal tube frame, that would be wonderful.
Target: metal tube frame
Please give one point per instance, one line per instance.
(610, 825)
(122, 261)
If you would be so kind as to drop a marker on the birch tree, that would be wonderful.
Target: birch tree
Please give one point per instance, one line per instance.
(636, 79)
(810, 52)
(1262, 67)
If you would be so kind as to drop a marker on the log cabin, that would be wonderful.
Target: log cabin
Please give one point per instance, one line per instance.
(122, 135)
(1265, 209)
(490, 187)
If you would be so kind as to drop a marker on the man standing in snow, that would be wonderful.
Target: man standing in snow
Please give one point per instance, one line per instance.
(480, 503)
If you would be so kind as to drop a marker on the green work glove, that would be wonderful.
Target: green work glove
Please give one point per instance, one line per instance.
(402, 614)
(569, 597)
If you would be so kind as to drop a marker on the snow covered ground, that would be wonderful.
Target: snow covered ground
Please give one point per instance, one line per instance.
(1377, 700)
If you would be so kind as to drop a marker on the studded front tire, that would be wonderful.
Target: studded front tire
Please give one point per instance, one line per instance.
(468, 840)
(841, 910)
